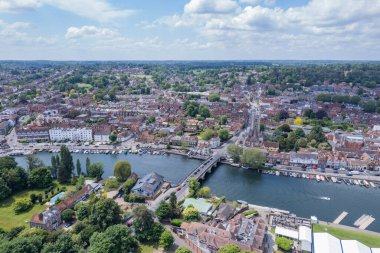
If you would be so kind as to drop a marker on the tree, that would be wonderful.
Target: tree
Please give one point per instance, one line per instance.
(88, 163)
(82, 211)
(15, 178)
(143, 218)
(204, 111)
(150, 120)
(235, 151)
(321, 114)
(283, 243)
(285, 128)
(122, 170)
(22, 245)
(95, 170)
(22, 205)
(317, 134)
(166, 240)
(79, 168)
(7, 162)
(298, 121)
(40, 177)
(223, 120)
(54, 166)
(182, 249)
(173, 202)
(114, 239)
(163, 211)
(68, 215)
(113, 136)
(128, 185)
(207, 134)
(369, 106)
(253, 158)
(33, 162)
(204, 192)
(193, 186)
(301, 143)
(66, 166)
(63, 244)
(308, 113)
(223, 134)
(282, 115)
(214, 97)
(229, 248)
(104, 213)
(190, 213)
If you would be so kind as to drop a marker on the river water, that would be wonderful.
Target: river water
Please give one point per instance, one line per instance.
(299, 196)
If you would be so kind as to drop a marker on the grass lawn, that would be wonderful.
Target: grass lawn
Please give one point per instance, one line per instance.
(370, 240)
(9, 219)
(141, 76)
(84, 85)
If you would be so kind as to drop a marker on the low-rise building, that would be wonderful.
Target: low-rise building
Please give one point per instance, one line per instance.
(149, 185)
(48, 220)
(33, 134)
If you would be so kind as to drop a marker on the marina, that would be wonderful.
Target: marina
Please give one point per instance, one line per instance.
(340, 217)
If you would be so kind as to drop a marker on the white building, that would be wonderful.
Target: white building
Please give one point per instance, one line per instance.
(71, 134)
(102, 136)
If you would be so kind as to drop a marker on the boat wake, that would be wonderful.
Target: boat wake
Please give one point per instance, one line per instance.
(324, 198)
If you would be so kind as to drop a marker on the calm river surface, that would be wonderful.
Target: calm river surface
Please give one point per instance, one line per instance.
(299, 196)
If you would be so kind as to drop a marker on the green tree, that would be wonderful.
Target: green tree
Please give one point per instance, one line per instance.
(104, 213)
(122, 170)
(7, 162)
(283, 243)
(223, 134)
(113, 136)
(214, 97)
(22, 245)
(173, 202)
(163, 211)
(40, 177)
(235, 151)
(128, 185)
(82, 211)
(193, 186)
(66, 166)
(204, 111)
(145, 228)
(223, 120)
(182, 249)
(79, 168)
(63, 244)
(54, 166)
(190, 213)
(207, 134)
(204, 192)
(33, 162)
(88, 163)
(114, 239)
(68, 215)
(22, 205)
(253, 158)
(95, 170)
(15, 178)
(229, 248)
(317, 134)
(166, 240)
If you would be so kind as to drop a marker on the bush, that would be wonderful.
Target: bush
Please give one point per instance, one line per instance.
(22, 205)
(128, 185)
(111, 184)
(68, 215)
(33, 198)
(134, 198)
(176, 222)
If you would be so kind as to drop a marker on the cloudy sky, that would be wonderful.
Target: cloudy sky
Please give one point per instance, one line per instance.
(189, 29)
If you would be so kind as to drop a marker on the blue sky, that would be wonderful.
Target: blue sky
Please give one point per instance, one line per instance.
(189, 29)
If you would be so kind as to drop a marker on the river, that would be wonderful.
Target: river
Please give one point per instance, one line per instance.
(299, 196)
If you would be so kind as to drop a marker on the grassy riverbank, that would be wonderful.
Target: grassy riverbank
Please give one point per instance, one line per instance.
(370, 240)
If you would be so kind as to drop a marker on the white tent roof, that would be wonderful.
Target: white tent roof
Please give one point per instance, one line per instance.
(304, 233)
(293, 234)
(375, 250)
(353, 246)
(326, 243)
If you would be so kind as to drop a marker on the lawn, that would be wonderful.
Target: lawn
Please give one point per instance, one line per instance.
(84, 85)
(147, 248)
(9, 219)
(370, 240)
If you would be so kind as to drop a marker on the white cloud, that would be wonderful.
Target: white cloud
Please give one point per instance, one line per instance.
(211, 6)
(89, 32)
(99, 10)
(265, 2)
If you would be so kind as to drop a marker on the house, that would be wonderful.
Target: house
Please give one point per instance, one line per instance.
(149, 185)
(4, 127)
(75, 198)
(72, 134)
(48, 220)
(225, 212)
(32, 134)
(304, 158)
(102, 135)
(271, 146)
(246, 233)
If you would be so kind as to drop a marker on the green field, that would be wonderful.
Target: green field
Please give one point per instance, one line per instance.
(370, 240)
(84, 85)
(147, 248)
(9, 219)
(142, 76)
